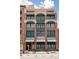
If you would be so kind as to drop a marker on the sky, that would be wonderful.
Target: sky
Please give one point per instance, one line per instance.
(44, 4)
(56, 3)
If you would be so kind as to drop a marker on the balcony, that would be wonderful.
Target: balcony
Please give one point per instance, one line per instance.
(29, 39)
(51, 39)
(41, 39)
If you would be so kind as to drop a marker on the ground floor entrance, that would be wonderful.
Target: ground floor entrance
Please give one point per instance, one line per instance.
(51, 45)
(40, 45)
(29, 45)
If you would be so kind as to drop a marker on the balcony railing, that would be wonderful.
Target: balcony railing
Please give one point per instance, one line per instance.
(30, 39)
(51, 39)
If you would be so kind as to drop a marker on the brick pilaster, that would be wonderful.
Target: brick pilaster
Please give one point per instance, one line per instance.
(23, 29)
(45, 34)
(35, 34)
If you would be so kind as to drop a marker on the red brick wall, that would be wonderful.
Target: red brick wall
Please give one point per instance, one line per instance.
(23, 33)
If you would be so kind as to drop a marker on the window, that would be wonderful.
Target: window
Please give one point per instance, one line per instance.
(40, 26)
(30, 25)
(40, 33)
(40, 18)
(51, 45)
(40, 45)
(50, 25)
(51, 34)
(30, 34)
(30, 17)
(50, 16)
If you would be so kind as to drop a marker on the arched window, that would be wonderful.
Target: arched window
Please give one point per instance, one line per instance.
(40, 18)
(50, 25)
(40, 24)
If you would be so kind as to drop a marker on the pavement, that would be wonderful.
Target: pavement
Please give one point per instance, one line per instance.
(40, 55)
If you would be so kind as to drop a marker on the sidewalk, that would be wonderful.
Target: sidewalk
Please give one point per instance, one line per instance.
(41, 55)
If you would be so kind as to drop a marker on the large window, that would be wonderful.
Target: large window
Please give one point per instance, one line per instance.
(30, 17)
(40, 25)
(30, 34)
(51, 34)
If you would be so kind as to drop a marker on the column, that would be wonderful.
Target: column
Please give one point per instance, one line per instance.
(35, 34)
(45, 34)
(57, 33)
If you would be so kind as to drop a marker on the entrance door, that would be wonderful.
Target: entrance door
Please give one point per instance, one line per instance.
(40, 45)
(28, 46)
(51, 45)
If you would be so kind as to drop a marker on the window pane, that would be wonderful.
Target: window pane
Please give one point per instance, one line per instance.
(30, 17)
(30, 34)
(50, 16)
(40, 26)
(40, 33)
(51, 34)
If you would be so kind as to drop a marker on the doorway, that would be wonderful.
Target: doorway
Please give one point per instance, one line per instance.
(40, 46)
(29, 46)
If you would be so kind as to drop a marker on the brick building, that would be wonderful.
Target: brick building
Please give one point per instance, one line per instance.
(38, 28)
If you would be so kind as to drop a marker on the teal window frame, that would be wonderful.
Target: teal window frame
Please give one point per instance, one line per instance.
(50, 16)
(51, 34)
(29, 17)
(29, 33)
